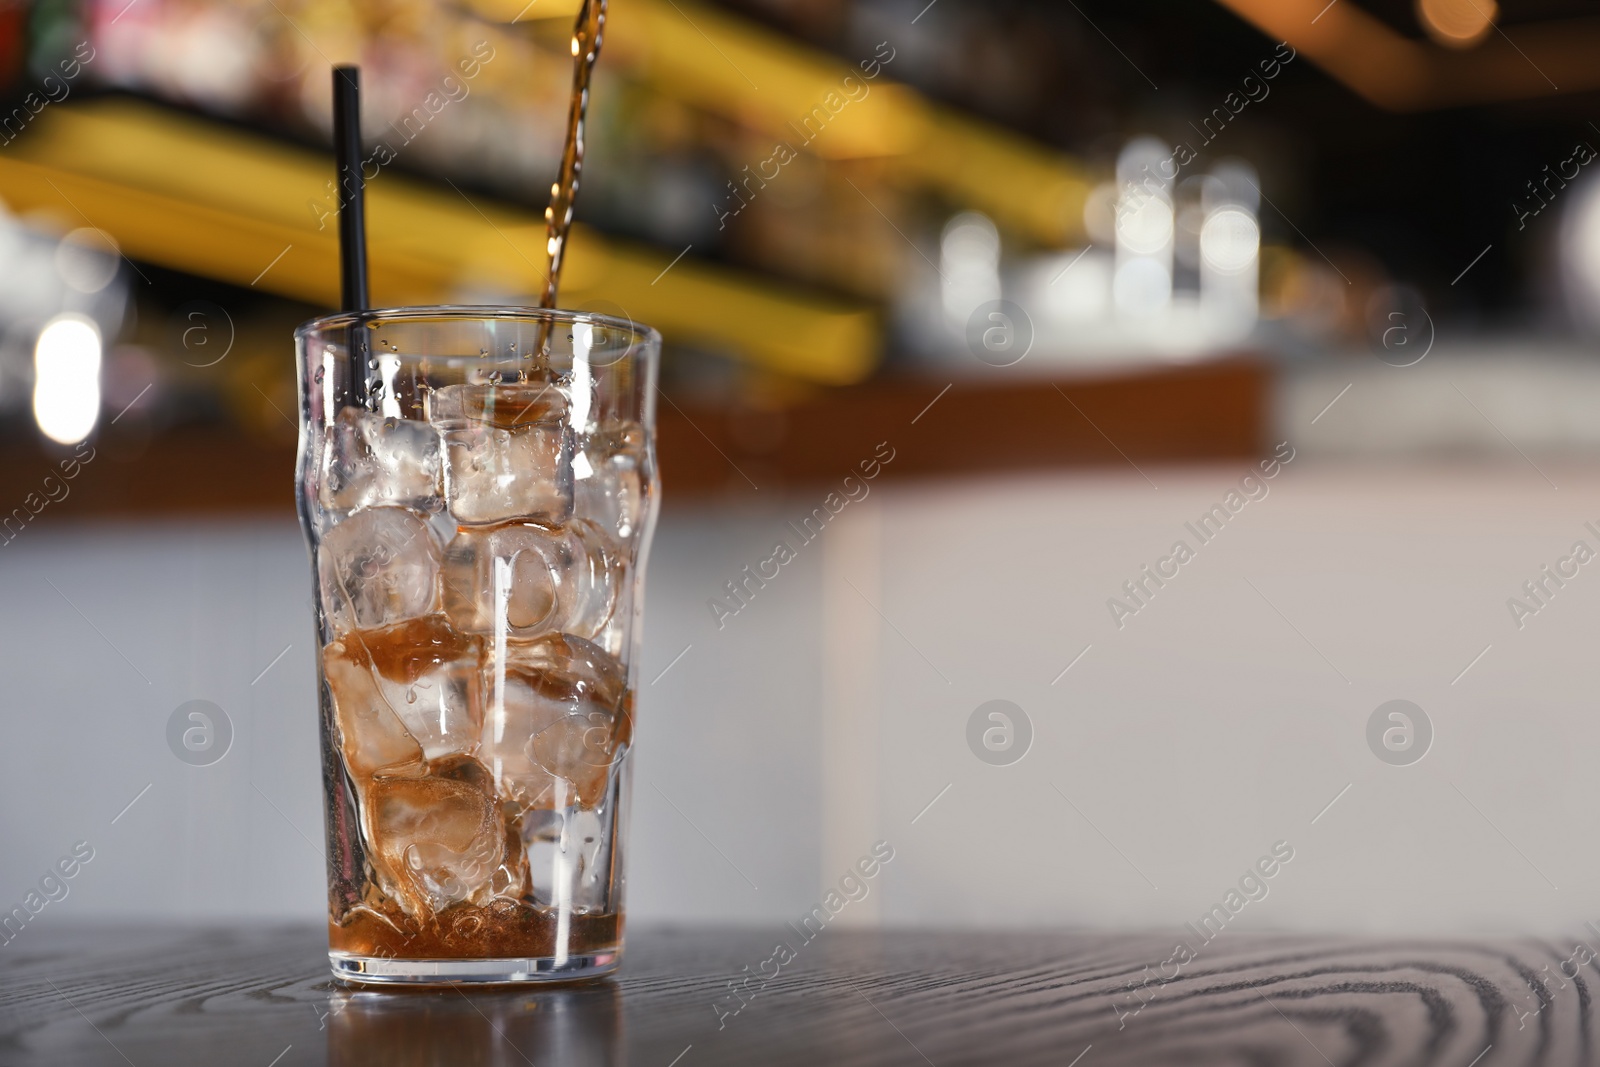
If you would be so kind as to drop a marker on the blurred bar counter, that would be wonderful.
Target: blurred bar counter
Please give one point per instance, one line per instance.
(1197, 412)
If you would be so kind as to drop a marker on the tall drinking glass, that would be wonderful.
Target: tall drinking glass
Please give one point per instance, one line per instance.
(478, 488)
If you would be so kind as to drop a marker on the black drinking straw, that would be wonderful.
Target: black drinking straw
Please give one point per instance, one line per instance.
(352, 217)
(352, 199)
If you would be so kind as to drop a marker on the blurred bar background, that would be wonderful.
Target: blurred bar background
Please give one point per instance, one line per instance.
(1076, 268)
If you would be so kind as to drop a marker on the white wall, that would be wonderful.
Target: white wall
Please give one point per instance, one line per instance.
(778, 748)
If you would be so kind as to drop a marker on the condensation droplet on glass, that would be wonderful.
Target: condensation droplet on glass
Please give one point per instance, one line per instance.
(317, 377)
(411, 695)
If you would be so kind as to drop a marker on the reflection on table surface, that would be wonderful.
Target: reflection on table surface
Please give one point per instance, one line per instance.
(580, 1026)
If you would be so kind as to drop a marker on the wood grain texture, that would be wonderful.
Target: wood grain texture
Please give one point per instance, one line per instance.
(261, 998)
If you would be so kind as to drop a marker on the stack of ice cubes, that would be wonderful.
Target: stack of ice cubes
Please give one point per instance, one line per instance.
(476, 581)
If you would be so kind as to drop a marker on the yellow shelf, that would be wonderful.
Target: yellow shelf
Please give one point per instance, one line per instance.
(199, 197)
(725, 65)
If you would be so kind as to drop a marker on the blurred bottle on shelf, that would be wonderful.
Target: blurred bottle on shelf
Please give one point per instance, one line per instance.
(1171, 270)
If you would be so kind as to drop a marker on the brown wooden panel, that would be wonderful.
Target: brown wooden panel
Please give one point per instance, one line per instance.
(1201, 412)
(1197, 412)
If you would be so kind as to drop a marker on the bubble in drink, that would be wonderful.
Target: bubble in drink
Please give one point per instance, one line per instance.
(529, 579)
(378, 567)
(508, 452)
(373, 459)
(555, 720)
(437, 840)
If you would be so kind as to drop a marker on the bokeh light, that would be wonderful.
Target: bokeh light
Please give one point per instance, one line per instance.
(66, 390)
(1457, 23)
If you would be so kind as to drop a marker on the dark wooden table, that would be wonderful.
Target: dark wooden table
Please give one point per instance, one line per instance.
(262, 998)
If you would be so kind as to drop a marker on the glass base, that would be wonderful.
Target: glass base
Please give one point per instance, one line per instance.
(381, 970)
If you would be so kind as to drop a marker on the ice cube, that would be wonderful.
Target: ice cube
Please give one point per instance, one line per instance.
(555, 721)
(429, 676)
(609, 481)
(531, 579)
(378, 567)
(436, 840)
(569, 857)
(508, 452)
(370, 459)
(371, 735)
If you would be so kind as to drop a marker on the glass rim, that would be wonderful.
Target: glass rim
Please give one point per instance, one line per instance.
(649, 338)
